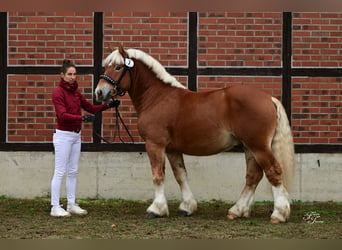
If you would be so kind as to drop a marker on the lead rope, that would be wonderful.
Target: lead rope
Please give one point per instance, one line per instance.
(118, 118)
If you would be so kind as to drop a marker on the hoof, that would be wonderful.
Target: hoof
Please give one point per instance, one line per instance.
(232, 216)
(183, 213)
(276, 221)
(152, 216)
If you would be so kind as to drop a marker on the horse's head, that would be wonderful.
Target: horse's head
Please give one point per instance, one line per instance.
(115, 81)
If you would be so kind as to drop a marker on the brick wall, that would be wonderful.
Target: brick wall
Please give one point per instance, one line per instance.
(240, 39)
(317, 39)
(225, 39)
(317, 111)
(317, 102)
(40, 38)
(161, 34)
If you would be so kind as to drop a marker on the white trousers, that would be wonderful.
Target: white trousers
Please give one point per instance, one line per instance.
(67, 154)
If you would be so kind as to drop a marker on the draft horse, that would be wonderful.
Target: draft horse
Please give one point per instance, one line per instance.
(174, 121)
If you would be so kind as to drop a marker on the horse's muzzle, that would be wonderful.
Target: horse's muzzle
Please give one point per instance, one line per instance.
(98, 95)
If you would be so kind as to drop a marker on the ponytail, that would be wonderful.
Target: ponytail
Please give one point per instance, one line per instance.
(66, 64)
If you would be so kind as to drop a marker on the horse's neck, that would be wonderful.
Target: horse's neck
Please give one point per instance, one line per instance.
(147, 89)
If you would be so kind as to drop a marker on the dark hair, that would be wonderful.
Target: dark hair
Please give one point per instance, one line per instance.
(67, 64)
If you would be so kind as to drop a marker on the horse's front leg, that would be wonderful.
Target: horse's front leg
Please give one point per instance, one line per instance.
(189, 204)
(156, 155)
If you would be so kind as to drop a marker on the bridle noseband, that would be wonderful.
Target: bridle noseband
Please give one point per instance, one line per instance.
(129, 64)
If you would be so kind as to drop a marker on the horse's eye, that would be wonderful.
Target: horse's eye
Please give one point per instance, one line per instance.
(117, 68)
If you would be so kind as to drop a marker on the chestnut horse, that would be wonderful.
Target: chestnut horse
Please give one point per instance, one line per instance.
(174, 121)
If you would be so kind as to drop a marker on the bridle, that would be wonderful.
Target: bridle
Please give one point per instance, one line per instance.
(129, 64)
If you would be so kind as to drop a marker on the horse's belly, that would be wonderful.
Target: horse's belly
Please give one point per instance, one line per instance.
(206, 145)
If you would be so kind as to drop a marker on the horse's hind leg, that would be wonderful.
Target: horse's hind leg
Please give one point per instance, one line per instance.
(156, 155)
(273, 172)
(188, 205)
(243, 206)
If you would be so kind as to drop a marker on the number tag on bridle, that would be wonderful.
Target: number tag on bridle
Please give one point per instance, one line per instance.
(129, 62)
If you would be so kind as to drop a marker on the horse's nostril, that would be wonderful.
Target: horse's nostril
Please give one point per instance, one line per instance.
(99, 94)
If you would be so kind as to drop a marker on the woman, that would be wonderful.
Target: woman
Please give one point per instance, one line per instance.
(68, 102)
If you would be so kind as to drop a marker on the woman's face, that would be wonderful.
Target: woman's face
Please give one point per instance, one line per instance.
(70, 75)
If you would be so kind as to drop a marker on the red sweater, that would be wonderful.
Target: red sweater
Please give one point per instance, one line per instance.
(68, 102)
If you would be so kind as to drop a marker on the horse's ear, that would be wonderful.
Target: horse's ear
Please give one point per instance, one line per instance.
(110, 49)
(122, 51)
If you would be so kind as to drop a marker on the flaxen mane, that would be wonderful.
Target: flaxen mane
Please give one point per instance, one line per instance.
(116, 58)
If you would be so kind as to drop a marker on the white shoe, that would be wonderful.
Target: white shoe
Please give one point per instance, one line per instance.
(75, 209)
(59, 212)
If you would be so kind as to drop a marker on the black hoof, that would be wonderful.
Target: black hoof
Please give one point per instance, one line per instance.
(183, 213)
(152, 216)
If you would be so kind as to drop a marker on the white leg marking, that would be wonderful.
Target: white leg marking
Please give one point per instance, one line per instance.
(281, 210)
(159, 205)
(243, 206)
(189, 204)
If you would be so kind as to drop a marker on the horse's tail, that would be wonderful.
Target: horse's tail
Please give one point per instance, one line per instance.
(282, 145)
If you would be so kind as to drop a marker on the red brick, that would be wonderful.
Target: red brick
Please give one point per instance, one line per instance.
(224, 39)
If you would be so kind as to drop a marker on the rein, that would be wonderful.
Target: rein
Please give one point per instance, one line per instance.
(128, 66)
(118, 118)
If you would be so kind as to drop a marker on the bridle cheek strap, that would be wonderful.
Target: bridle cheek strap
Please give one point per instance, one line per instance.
(129, 64)
(110, 80)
